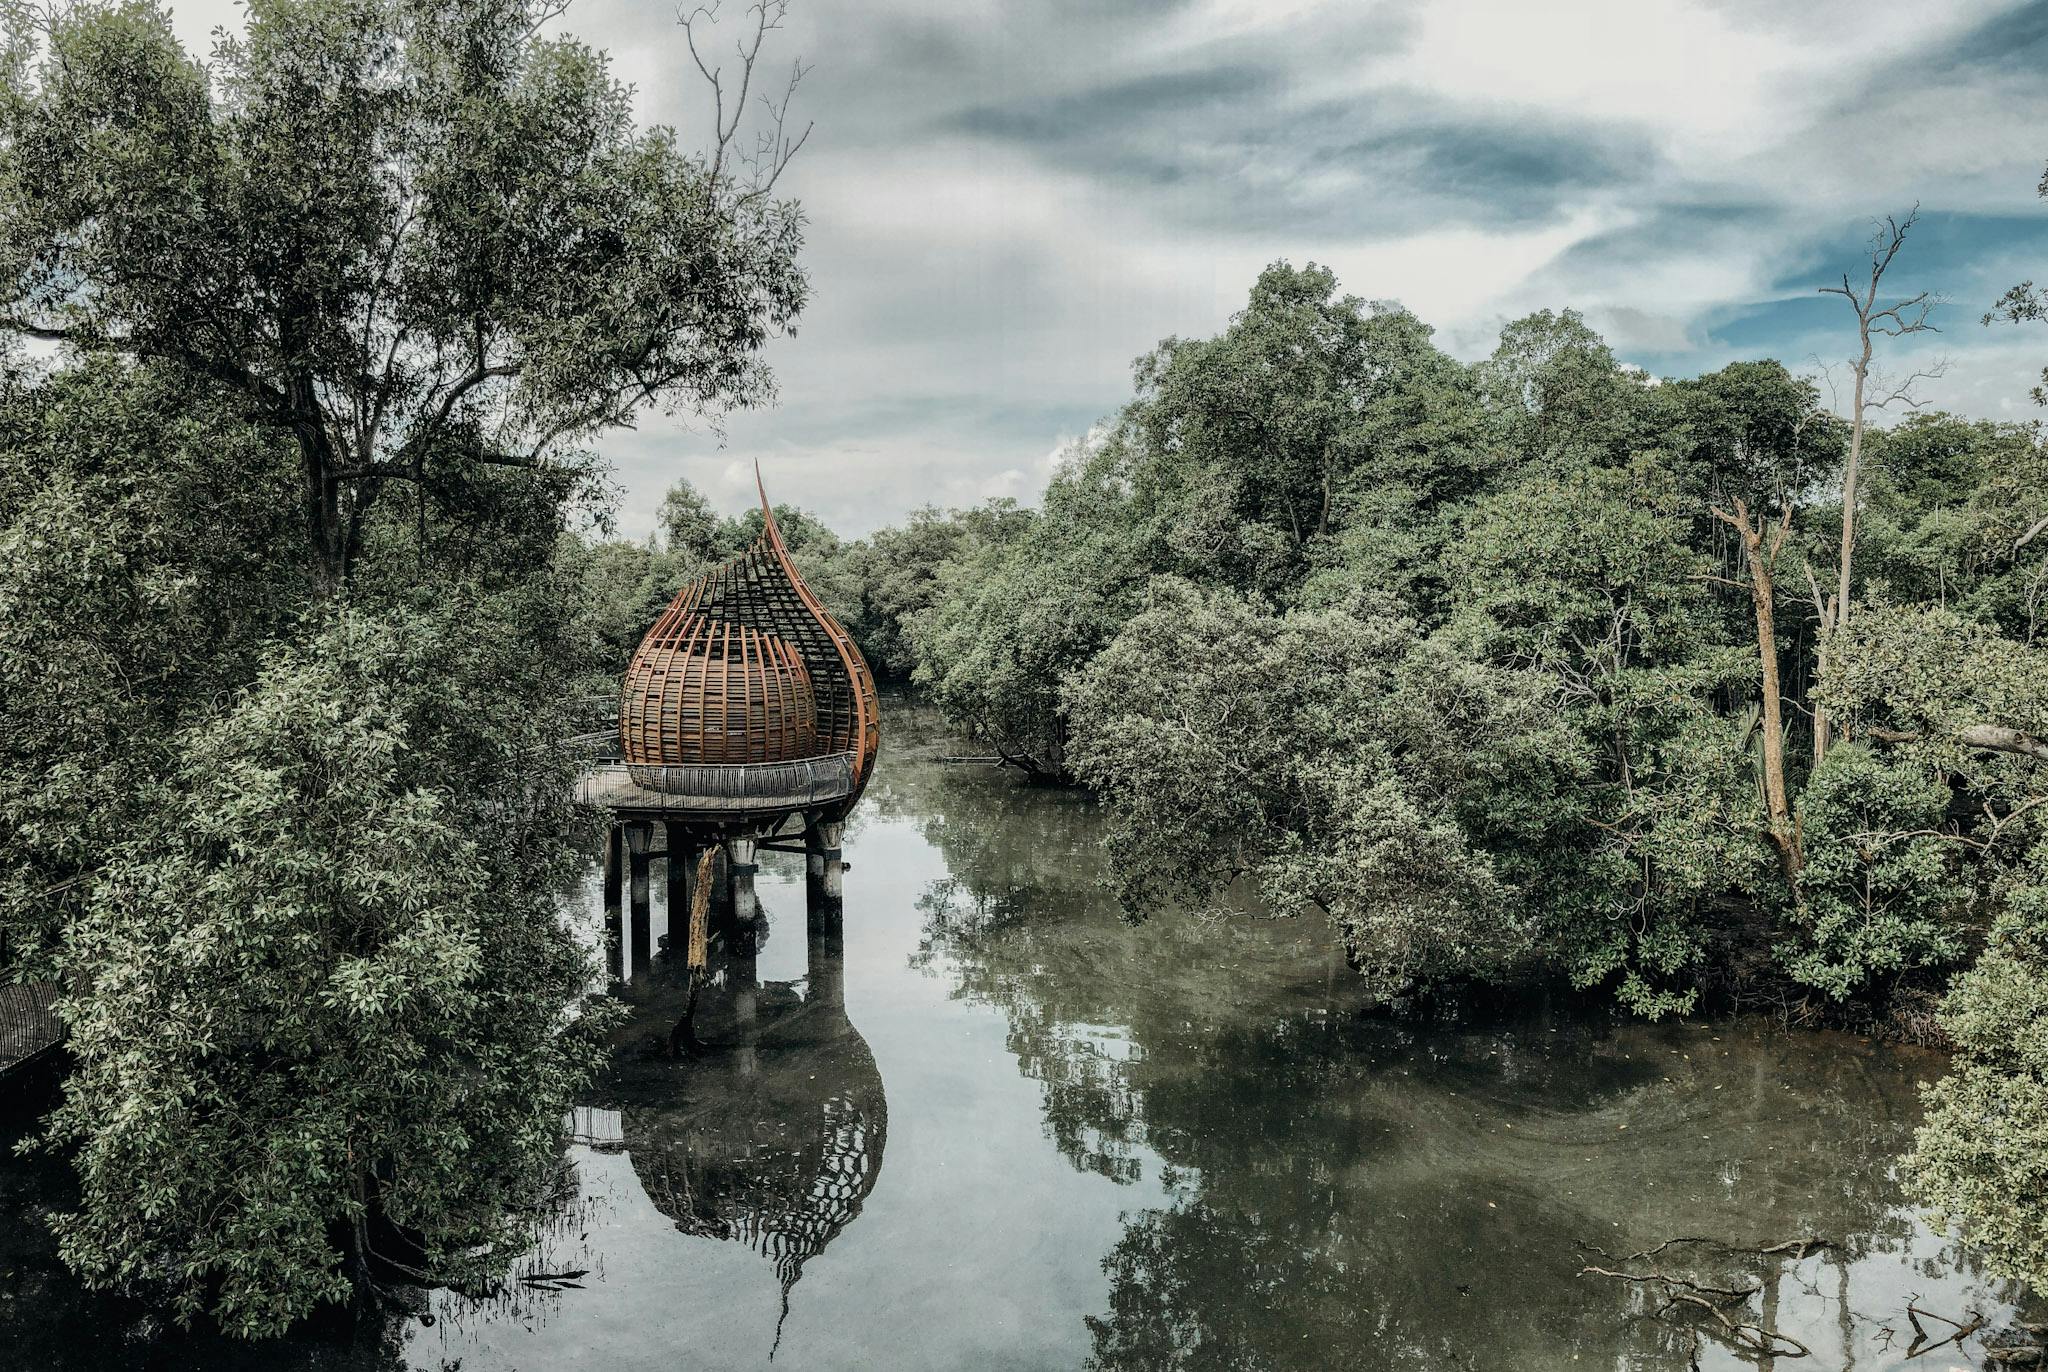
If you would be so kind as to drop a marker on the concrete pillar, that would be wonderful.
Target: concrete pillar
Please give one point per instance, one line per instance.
(746, 919)
(614, 942)
(721, 890)
(740, 867)
(639, 839)
(823, 861)
(681, 860)
(825, 943)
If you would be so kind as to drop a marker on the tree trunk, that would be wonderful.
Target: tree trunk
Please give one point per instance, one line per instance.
(1849, 484)
(1783, 831)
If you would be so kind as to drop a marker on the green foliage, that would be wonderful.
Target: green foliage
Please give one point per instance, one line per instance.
(1531, 524)
(300, 862)
(1924, 675)
(1755, 431)
(1951, 505)
(625, 587)
(689, 526)
(1328, 759)
(1016, 617)
(1883, 890)
(1581, 572)
(1982, 1154)
(897, 575)
(321, 980)
(287, 617)
(1556, 391)
(416, 238)
(1244, 449)
(145, 547)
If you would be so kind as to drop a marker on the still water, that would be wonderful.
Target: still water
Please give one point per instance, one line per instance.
(977, 1121)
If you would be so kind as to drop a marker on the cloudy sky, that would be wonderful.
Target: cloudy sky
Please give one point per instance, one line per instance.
(1010, 201)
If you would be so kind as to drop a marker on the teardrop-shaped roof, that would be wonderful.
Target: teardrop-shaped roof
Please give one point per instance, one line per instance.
(759, 593)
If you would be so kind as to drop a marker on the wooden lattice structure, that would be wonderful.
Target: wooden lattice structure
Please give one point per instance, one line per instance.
(747, 667)
(703, 691)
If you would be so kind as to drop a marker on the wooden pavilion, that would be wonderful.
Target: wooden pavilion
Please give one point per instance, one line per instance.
(747, 719)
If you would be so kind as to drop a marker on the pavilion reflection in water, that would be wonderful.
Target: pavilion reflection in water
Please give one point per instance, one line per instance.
(771, 1133)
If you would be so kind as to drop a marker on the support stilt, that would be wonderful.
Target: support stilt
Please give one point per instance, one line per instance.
(825, 942)
(679, 861)
(638, 841)
(614, 940)
(823, 860)
(746, 917)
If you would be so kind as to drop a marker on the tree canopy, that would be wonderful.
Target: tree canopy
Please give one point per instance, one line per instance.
(291, 616)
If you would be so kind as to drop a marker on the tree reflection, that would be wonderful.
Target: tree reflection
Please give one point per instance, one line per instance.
(48, 1320)
(1342, 1189)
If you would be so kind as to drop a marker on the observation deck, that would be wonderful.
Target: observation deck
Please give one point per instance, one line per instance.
(715, 792)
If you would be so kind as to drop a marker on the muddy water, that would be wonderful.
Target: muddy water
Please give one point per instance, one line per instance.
(974, 1120)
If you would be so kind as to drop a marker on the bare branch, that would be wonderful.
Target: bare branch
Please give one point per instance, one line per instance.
(772, 148)
(2031, 534)
(42, 331)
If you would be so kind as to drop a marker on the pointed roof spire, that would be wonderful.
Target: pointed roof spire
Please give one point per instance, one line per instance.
(768, 524)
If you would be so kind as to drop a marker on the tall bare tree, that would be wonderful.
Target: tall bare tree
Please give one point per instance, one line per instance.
(1873, 390)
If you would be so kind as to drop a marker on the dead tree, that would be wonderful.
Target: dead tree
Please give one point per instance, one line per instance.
(1872, 391)
(757, 165)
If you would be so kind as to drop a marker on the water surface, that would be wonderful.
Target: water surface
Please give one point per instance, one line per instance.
(975, 1120)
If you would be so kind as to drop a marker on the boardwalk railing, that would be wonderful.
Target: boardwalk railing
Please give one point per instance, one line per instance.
(733, 789)
(29, 1026)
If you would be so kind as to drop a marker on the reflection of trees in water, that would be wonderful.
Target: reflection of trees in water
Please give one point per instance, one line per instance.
(48, 1320)
(1013, 852)
(1350, 1190)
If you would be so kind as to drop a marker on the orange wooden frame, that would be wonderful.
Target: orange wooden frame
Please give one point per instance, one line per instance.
(746, 665)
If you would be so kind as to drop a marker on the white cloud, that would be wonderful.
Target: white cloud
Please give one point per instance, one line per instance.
(979, 297)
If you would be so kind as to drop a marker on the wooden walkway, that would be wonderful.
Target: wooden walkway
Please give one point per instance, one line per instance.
(750, 790)
(29, 1026)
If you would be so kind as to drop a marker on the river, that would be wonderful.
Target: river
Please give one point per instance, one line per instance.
(1002, 1128)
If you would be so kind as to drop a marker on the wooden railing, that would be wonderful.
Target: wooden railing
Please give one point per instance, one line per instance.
(738, 788)
(29, 1026)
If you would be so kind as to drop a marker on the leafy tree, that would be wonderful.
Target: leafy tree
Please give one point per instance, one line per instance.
(1017, 617)
(1882, 890)
(1950, 519)
(1327, 759)
(323, 987)
(625, 588)
(1245, 449)
(1982, 1155)
(805, 533)
(146, 559)
(898, 574)
(1580, 577)
(336, 316)
(688, 524)
(413, 238)
(1556, 389)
